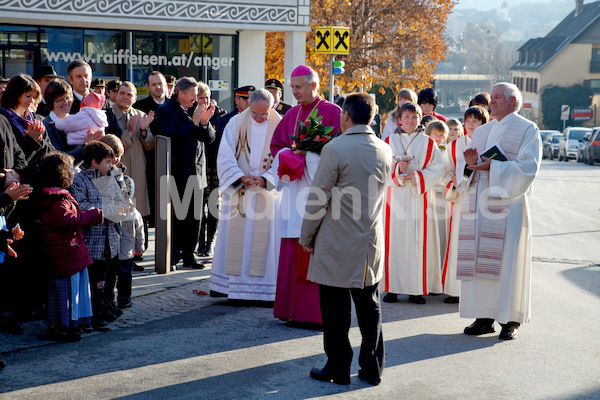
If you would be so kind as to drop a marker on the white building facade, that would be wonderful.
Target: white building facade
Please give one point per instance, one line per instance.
(221, 43)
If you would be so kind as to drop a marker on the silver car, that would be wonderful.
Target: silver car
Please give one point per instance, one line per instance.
(569, 143)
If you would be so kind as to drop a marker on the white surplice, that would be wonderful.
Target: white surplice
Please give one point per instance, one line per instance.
(454, 156)
(293, 195)
(244, 286)
(412, 255)
(507, 298)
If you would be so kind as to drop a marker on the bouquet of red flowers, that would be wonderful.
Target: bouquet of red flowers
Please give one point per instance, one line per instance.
(312, 135)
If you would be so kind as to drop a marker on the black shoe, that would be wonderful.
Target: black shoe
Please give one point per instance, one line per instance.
(509, 331)
(2, 364)
(137, 267)
(125, 304)
(417, 299)
(371, 379)
(451, 300)
(138, 258)
(63, 334)
(86, 329)
(304, 325)
(216, 294)
(109, 317)
(326, 376)
(115, 310)
(193, 264)
(480, 326)
(101, 326)
(390, 298)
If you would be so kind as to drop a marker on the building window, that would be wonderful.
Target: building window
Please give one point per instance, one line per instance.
(206, 57)
(595, 85)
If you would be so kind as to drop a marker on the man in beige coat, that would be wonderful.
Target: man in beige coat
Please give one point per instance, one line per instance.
(343, 229)
(136, 138)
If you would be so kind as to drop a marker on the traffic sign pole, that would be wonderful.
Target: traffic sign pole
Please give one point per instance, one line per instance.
(331, 77)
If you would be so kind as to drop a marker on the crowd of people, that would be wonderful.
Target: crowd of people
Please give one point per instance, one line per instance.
(437, 207)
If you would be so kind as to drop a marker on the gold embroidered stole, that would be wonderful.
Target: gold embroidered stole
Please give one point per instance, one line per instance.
(241, 200)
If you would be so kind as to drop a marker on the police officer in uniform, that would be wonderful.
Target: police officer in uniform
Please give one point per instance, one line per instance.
(276, 88)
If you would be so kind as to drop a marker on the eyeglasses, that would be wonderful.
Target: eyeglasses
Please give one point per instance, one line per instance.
(66, 100)
(260, 115)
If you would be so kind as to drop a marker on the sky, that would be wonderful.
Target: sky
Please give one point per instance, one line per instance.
(487, 5)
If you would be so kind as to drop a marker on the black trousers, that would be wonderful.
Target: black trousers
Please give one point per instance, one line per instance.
(336, 313)
(119, 272)
(185, 232)
(97, 273)
(208, 227)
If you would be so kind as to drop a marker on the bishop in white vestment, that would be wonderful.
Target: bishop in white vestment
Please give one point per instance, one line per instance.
(247, 246)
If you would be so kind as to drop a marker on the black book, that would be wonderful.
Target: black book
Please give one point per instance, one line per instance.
(494, 153)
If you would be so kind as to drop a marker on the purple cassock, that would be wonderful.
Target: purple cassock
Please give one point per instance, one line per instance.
(298, 299)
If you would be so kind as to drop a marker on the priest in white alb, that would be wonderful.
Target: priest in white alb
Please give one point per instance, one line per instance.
(494, 249)
(247, 247)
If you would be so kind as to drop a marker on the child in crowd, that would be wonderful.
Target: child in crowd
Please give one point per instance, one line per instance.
(474, 117)
(438, 131)
(428, 100)
(410, 254)
(69, 305)
(438, 209)
(132, 235)
(426, 120)
(404, 96)
(455, 130)
(90, 119)
(102, 241)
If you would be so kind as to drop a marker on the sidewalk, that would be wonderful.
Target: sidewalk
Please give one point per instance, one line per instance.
(154, 297)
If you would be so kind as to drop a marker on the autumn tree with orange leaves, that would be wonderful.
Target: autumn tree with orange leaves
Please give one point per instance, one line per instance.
(393, 43)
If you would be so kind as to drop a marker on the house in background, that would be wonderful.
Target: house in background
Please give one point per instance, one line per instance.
(568, 55)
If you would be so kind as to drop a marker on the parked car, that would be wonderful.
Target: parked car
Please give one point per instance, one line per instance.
(569, 143)
(591, 148)
(582, 142)
(550, 146)
(545, 133)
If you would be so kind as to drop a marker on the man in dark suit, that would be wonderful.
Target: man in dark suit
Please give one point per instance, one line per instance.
(275, 87)
(157, 87)
(79, 75)
(43, 76)
(189, 132)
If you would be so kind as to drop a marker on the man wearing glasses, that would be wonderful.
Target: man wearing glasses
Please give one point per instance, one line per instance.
(247, 250)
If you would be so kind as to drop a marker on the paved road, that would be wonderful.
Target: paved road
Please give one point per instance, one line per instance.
(194, 346)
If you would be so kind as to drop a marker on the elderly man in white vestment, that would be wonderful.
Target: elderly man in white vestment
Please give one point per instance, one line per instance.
(494, 249)
(247, 246)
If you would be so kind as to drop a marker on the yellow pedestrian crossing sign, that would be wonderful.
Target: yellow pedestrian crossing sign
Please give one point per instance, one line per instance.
(332, 40)
(340, 40)
(323, 40)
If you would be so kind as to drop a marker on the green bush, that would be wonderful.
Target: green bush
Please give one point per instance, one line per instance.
(554, 97)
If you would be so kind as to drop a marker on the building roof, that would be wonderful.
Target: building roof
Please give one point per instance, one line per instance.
(565, 33)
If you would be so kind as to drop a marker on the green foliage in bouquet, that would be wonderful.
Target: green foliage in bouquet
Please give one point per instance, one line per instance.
(312, 135)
